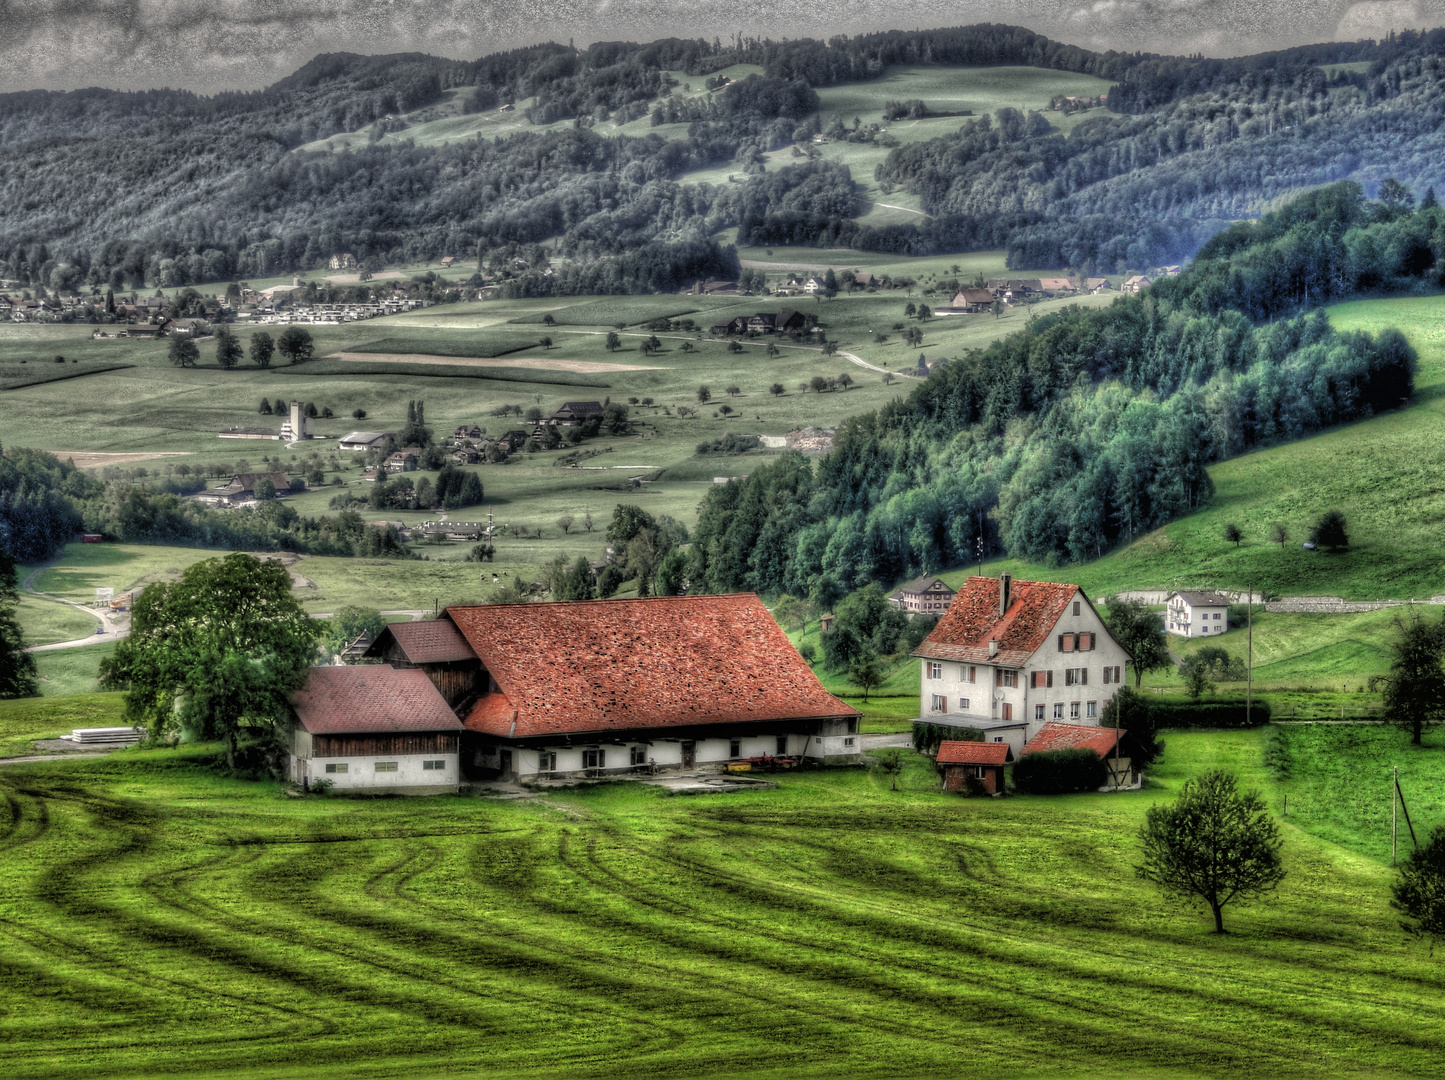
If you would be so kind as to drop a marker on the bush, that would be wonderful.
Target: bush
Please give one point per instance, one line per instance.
(1060, 772)
(926, 737)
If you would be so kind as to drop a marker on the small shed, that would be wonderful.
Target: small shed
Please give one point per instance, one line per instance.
(980, 762)
(1118, 749)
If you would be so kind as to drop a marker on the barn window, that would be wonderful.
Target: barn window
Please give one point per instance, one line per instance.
(594, 758)
(639, 755)
(735, 747)
(1076, 607)
(434, 764)
(782, 744)
(336, 766)
(980, 772)
(547, 761)
(847, 742)
(386, 766)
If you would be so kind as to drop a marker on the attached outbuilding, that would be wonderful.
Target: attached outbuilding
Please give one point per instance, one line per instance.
(1118, 749)
(375, 727)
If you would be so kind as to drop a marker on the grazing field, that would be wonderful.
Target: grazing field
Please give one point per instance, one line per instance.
(45, 621)
(28, 719)
(444, 343)
(624, 310)
(71, 671)
(829, 927)
(15, 375)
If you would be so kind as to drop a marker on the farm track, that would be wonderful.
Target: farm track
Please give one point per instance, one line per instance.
(824, 928)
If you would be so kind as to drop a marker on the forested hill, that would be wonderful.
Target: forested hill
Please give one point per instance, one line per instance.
(1090, 427)
(170, 188)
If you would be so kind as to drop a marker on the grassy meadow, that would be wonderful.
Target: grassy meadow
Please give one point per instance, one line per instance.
(827, 927)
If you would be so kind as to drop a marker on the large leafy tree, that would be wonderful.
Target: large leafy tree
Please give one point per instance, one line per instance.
(216, 654)
(1419, 892)
(1212, 846)
(1141, 632)
(183, 351)
(263, 347)
(228, 347)
(1414, 688)
(17, 667)
(295, 344)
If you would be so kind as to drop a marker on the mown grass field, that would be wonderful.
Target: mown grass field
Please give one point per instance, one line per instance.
(159, 920)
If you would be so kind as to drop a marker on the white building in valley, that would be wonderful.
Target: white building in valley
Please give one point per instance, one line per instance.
(1196, 614)
(1012, 656)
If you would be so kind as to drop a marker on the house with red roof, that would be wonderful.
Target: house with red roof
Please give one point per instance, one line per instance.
(1118, 749)
(613, 687)
(965, 764)
(1010, 656)
(374, 727)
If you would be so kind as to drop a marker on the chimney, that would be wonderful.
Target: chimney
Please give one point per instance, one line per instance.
(992, 648)
(1003, 594)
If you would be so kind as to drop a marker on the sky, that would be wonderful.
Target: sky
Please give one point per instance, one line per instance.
(209, 45)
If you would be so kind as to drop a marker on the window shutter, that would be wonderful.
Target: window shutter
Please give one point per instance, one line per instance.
(1083, 676)
(1051, 678)
(998, 676)
(1086, 642)
(1061, 643)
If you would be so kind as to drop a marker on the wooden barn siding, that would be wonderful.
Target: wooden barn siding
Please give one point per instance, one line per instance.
(454, 682)
(433, 742)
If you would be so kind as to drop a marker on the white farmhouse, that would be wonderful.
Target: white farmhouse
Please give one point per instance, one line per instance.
(1012, 656)
(1197, 614)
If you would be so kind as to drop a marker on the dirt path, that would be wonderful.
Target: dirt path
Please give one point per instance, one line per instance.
(905, 209)
(112, 629)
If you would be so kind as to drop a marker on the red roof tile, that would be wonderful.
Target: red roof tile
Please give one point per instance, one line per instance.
(1053, 736)
(371, 698)
(433, 642)
(973, 753)
(611, 665)
(972, 620)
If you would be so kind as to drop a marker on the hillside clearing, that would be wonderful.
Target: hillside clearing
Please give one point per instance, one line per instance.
(582, 367)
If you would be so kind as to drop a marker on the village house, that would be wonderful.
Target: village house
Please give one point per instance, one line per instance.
(814, 285)
(793, 321)
(972, 301)
(616, 687)
(1018, 653)
(1118, 749)
(1136, 284)
(738, 325)
(865, 280)
(404, 460)
(966, 764)
(764, 322)
(467, 431)
(1058, 286)
(364, 440)
(1096, 285)
(374, 726)
(1196, 613)
(343, 261)
(575, 412)
(926, 595)
(242, 488)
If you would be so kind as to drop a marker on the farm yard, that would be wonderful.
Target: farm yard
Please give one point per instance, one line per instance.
(826, 927)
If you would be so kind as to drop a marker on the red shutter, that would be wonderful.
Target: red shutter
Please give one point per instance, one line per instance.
(998, 676)
(1086, 642)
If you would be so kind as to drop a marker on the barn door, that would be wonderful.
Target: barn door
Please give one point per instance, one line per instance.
(689, 755)
(506, 763)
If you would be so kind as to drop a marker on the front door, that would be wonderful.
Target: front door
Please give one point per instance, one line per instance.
(506, 763)
(689, 755)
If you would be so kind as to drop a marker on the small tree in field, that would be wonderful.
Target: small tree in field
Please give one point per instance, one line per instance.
(704, 395)
(565, 523)
(776, 389)
(228, 348)
(613, 341)
(262, 349)
(1419, 891)
(1329, 531)
(1279, 534)
(1196, 677)
(1212, 846)
(295, 344)
(1232, 534)
(183, 351)
(1414, 687)
(358, 414)
(864, 674)
(890, 763)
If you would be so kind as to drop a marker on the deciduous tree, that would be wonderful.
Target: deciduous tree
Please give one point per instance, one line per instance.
(216, 654)
(1212, 845)
(18, 677)
(1419, 891)
(295, 344)
(263, 347)
(1141, 632)
(183, 351)
(228, 347)
(1414, 687)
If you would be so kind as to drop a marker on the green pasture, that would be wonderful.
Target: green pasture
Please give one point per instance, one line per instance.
(624, 310)
(24, 720)
(828, 927)
(476, 344)
(64, 672)
(45, 621)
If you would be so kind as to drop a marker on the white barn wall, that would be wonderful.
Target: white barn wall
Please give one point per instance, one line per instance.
(361, 772)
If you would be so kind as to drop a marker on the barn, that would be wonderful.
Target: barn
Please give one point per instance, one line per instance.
(966, 764)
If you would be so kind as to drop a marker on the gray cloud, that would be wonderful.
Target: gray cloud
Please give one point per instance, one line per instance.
(243, 44)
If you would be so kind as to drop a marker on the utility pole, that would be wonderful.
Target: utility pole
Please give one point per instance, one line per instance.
(1249, 668)
(1394, 811)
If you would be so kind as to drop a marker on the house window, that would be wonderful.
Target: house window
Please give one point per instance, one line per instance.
(434, 764)
(1038, 712)
(735, 747)
(1040, 679)
(782, 744)
(1058, 710)
(980, 772)
(1108, 675)
(1008, 711)
(594, 758)
(1003, 677)
(638, 755)
(1076, 607)
(336, 766)
(970, 674)
(386, 766)
(1091, 709)
(998, 738)
(1073, 710)
(940, 703)
(935, 670)
(547, 761)
(847, 742)
(1118, 673)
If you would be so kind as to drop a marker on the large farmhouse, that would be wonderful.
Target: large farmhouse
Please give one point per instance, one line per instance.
(607, 688)
(1010, 656)
(1197, 613)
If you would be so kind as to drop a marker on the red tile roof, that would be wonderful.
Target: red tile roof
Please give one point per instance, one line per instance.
(973, 753)
(371, 699)
(972, 620)
(1053, 736)
(611, 665)
(434, 642)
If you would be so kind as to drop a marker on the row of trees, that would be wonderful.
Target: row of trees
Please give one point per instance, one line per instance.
(295, 344)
